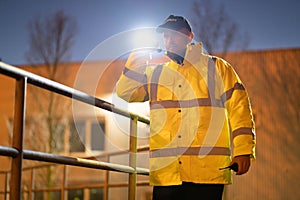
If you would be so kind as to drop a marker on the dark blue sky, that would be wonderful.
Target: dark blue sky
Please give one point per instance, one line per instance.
(271, 24)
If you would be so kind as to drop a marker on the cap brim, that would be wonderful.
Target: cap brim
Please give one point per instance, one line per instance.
(167, 26)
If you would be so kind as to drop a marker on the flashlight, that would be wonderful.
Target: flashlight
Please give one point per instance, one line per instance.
(233, 167)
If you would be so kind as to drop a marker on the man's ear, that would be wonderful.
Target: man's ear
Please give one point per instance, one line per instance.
(191, 36)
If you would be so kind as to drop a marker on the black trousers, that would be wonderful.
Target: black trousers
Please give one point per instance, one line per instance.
(188, 191)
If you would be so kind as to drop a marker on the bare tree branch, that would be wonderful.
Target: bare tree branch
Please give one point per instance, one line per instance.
(216, 29)
(51, 39)
(50, 42)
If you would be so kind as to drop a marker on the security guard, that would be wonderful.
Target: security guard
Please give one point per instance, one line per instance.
(197, 104)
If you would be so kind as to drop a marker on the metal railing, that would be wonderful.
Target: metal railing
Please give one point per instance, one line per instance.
(17, 153)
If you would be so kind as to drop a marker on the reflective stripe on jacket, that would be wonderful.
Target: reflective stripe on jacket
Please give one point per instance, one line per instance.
(191, 105)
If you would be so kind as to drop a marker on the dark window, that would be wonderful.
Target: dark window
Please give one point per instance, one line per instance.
(97, 136)
(75, 195)
(96, 194)
(46, 195)
(77, 136)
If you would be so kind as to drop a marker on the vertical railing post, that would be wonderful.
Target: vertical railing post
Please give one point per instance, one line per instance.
(63, 183)
(132, 157)
(106, 182)
(6, 185)
(31, 186)
(17, 143)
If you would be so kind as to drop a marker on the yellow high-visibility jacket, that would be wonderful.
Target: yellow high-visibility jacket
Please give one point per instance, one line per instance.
(195, 109)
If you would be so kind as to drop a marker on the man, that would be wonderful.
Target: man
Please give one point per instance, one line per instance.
(197, 103)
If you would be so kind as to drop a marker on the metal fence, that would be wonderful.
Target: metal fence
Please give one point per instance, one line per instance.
(17, 153)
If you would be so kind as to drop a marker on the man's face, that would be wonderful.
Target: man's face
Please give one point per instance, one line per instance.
(176, 41)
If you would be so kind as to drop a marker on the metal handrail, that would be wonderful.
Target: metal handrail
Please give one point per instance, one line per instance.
(64, 90)
(18, 153)
(8, 151)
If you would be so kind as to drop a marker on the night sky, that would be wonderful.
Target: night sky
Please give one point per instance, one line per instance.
(271, 24)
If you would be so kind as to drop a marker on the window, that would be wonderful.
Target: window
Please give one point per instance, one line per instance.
(96, 194)
(97, 136)
(77, 136)
(86, 134)
(47, 195)
(75, 195)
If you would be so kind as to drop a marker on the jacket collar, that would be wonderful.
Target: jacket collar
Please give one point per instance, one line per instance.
(192, 54)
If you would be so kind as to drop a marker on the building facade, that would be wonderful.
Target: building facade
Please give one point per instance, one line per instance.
(60, 125)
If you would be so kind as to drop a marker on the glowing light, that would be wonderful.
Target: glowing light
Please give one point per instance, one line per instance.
(145, 38)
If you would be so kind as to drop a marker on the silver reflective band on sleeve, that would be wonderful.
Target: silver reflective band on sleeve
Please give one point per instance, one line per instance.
(228, 94)
(154, 82)
(135, 75)
(186, 103)
(191, 151)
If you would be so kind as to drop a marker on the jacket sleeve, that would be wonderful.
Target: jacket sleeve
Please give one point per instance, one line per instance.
(237, 104)
(132, 84)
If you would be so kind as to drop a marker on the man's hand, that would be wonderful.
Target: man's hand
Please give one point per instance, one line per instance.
(243, 162)
(139, 59)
